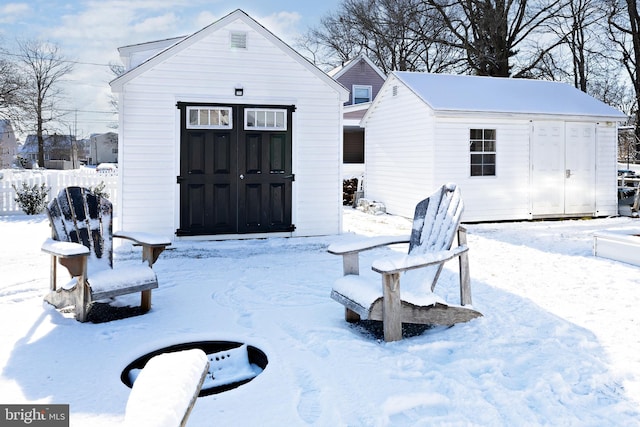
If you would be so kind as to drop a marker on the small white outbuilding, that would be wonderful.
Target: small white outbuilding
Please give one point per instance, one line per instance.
(518, 149)
(228, 132)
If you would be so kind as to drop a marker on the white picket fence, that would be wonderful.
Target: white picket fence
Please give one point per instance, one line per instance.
(55, 180)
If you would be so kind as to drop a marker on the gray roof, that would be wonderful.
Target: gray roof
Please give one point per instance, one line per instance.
(463, 93)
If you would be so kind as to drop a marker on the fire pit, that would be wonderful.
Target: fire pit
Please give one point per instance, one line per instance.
(231, 364)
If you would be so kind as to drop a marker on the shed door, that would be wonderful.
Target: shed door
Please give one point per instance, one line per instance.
(580, 164)
(563, 168)
(235, 169)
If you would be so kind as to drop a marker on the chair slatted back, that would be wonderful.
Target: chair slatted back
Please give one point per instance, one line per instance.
(436, 221)
(77, 215)
(435, 224)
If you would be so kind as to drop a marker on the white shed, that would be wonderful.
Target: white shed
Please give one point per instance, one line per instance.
(518, 149)
(228, 132)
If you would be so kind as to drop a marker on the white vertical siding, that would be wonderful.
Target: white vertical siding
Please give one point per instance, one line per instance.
(399, 156)
(208, 71)
(606, 169)
(503, 196)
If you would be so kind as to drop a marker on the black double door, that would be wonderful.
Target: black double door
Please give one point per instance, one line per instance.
(235, 178)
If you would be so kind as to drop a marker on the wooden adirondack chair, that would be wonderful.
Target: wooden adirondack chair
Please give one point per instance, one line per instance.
(436, 223)
(81, 226)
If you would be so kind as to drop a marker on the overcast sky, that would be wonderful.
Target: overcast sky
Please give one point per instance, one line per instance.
(90, 31)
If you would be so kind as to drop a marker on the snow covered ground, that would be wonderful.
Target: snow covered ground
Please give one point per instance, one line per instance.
(559, 343)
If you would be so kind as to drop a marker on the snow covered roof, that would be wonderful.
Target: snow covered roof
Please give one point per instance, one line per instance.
(31, 142)
(135, 54)
(463, 93)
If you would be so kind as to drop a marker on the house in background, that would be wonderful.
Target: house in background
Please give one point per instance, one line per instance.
(363, 79)
(518, 149)
(60, 151)
(8, 144)
(103, 148)
(228, 133)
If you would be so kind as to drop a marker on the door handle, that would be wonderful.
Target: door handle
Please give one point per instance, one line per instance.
(241, 176)
(567, 173)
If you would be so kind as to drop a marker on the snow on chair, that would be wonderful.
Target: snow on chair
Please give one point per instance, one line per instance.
(166, 390)
(81, 225)
(435, 225)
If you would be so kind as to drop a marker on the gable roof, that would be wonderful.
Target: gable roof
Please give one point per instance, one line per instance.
(60, 141)
(134, 54)
(341, 69)
(463, 93)
(238, 14)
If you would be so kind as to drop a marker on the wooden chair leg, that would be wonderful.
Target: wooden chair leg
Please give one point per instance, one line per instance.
(463, 261)
(465, 281)
(83, 301)
(145, 300)
(82, 291)
(391, 307)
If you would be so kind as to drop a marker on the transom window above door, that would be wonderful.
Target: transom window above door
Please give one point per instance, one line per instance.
(265, 119)
(209, 118)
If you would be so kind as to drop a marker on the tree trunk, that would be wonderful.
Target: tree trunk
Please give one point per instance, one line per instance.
(40, 136)
(634, 21)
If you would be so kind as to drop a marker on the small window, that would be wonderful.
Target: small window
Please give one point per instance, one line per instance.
(209, 117)
(265, 119)
(238, 40)
(482, 149)
(361, 94)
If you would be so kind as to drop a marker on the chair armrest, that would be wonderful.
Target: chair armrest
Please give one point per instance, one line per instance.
(64, 249)
(365, 244)
(397, 264)
(145, 239)
(152, 244)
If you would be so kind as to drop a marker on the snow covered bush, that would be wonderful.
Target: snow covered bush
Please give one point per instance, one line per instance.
(99, 190)
(32, 200)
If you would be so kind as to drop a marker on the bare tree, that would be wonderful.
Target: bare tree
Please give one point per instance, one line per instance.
(395, 34)
(624, 26)
(498, 34)
(117, 70)
(44, 68)
(10, 85)
(586, 56)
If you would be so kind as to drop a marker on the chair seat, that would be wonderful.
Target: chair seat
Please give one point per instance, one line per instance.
(365, 291)
(124, 280)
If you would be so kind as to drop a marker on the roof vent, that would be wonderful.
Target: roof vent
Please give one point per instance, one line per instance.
(395, 90)
(238, 40)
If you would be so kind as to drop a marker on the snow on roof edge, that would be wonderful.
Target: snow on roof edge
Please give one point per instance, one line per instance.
(480, 94)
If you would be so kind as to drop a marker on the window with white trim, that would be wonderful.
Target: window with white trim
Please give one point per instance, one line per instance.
(265, 119)
(482, 149)
(209, 118)
(361, 94)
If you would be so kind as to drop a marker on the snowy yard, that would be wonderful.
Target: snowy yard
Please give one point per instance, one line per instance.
(559, 343)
